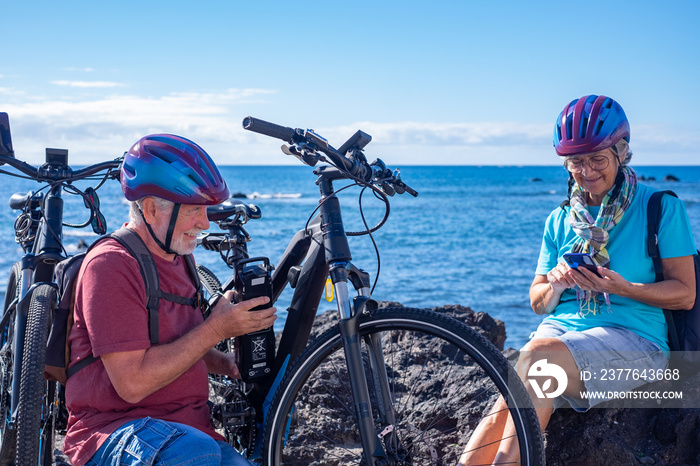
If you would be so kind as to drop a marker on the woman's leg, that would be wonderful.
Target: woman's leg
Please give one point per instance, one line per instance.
(494, 441)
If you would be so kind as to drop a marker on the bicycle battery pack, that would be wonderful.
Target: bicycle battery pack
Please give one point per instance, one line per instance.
(255, 352)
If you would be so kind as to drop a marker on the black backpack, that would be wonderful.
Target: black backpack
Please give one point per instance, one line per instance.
(66, 274)
(683, 325)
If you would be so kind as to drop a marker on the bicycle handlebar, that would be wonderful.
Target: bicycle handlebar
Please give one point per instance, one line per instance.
(307, 142)
(299, 136)
(48, 172)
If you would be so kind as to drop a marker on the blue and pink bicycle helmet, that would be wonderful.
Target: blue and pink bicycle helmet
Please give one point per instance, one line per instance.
(174, 168)
(590, 124)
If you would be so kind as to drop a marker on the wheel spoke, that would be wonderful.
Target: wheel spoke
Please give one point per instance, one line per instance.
(438, 390)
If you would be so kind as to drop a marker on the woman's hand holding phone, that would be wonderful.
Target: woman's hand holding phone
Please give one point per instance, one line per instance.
(581, 260)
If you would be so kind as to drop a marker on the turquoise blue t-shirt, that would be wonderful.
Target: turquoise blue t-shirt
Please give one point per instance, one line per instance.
(628, 257)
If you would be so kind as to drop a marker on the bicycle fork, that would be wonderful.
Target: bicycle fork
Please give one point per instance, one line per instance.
(349, 325)
(338, 257)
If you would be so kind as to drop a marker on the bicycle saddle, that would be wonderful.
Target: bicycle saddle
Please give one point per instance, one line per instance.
(231, 207)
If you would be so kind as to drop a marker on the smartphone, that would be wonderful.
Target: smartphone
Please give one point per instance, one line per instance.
(576, 260)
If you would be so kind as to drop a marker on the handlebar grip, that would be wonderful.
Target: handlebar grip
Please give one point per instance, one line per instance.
(268, 129)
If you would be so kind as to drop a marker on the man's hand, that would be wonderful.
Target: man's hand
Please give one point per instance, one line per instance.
(228, 320)
(222, 363)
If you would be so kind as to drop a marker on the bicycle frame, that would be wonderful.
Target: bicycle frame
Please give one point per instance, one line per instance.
(313, 254)
(37, 267)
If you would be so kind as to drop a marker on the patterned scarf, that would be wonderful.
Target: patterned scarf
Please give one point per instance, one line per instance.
(593, 233)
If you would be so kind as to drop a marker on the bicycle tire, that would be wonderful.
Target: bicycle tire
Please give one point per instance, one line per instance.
(8, 437)
(210, 282)
(34, 423)
(312, 416)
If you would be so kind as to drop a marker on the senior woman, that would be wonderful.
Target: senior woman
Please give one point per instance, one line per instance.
(596, 323)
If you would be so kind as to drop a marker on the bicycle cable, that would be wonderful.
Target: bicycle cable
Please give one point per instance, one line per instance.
(374, 243)
(365, 184)
(313, 212)
(381, 196)
(24, 222)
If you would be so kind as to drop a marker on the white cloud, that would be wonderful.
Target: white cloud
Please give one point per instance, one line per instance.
(10, 91)
(104, 128)
(87, 83)
(450, 134)
(86, 69)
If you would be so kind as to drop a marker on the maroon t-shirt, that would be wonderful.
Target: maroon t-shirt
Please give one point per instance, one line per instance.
(111, 316)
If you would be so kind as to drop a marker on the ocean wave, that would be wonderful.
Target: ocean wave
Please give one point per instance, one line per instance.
(79, 233)
(257, 195)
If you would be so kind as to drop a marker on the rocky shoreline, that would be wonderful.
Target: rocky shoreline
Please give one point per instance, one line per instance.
(604, 435)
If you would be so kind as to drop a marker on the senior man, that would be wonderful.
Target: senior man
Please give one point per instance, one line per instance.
(139, 402)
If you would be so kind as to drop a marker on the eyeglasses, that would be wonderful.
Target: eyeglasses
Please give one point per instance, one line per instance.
(597, 162)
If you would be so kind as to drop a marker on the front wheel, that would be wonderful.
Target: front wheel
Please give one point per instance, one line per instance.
(440, 379)
(35, 428)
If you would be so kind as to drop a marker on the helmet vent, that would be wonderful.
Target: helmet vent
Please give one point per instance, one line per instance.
(197, 180)
(182, 191)
(582, 129)
(161, 154)
(207, 171)
(598, 127)
(129, 169)
(569, 124)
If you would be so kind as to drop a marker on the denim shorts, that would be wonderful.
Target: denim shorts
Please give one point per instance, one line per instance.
(608, 359)
(148, 441)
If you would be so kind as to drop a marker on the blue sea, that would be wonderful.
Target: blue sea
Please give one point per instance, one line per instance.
(471, 237)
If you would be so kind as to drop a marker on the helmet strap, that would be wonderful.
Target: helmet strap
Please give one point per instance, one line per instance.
(171, 227)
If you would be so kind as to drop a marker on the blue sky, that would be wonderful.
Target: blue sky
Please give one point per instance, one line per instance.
(439, 82)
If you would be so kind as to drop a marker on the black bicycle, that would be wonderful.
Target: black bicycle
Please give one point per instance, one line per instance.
(382, 385)
(32, 408)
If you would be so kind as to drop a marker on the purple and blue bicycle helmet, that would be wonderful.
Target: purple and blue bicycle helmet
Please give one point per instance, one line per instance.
(590, 124)
(173, 168)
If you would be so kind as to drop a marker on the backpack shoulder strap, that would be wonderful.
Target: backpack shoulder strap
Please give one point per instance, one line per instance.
(654, 211)
(137, 248)
(196, 300)
(192, 268)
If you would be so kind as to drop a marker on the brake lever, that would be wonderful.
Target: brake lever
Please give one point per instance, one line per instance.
(400, 186)
(302, 152)
(388, 189)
